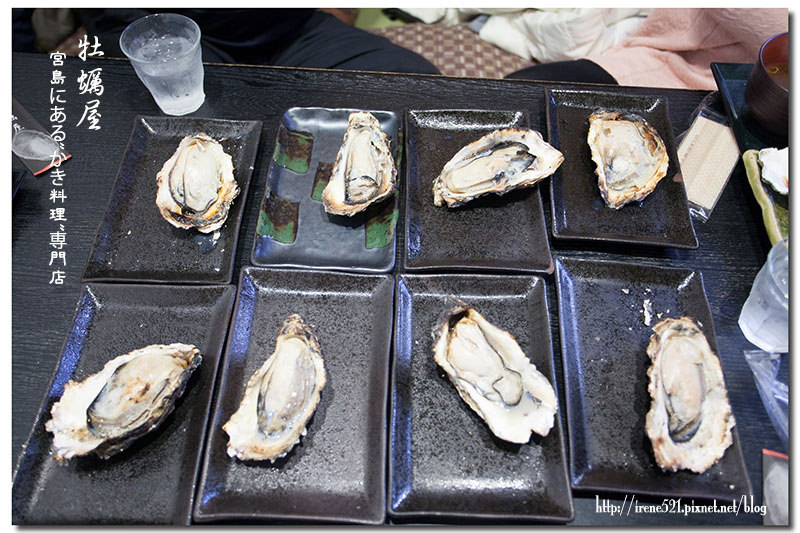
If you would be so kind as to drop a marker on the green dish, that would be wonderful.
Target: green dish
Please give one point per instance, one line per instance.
(776, 217)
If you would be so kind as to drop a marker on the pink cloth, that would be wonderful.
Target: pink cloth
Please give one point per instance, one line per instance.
(675, 47)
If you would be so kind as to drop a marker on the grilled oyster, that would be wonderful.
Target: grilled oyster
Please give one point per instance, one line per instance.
(630, 156)
(498, 162)
(280, 397)
(196, 185)
(492, 374)
(128, 398)
(690, 420)
(775, 168)
(364, 171)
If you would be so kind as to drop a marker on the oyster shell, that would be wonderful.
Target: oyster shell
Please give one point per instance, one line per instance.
(690, 420)
(775, 168)
(498, 162)
(492, 374)
(128, 398)
(280, 397)
(196, 185)
(364, 171)
(630, 156)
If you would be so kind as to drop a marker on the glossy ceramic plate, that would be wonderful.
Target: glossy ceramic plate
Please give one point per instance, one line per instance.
(774, 206)
(603, 319)
(135, 243)
(661, 219)
(489, 233)
(293, 228)
(731, 80)
(17, 177)
(445, 463)
(336, 472)
(153, 481)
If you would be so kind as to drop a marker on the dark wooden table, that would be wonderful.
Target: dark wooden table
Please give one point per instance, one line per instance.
(733, 243)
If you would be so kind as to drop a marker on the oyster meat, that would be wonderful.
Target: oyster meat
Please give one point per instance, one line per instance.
(498, 162)
(492, 374)
(280, 397)
(364, 171)
(196, 185)
(630, 156)
(690, 419)
(128, 398)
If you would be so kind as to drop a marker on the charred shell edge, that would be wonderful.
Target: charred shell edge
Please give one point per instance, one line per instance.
(681, 324)
(388, 186)
(648, 133)
(244, 450)
(120, 443)
(441, 332)
(441, 198)
(217, 212)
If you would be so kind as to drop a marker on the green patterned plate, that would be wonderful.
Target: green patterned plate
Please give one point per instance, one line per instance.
(293, 228)
(776, 216)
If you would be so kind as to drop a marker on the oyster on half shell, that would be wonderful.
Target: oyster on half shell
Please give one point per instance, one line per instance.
(280, 397)
(690, 419)
(129, 397)
(629, 155)
(196, 185)
(364, 171)
(499, 162)
(492, 374)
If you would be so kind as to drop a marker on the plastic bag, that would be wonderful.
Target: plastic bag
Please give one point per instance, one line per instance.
(774, 393)
(708, 153)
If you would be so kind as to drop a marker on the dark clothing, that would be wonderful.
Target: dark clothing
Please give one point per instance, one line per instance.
(234, 35)
(277, 37)
(580, 70)
(22, 30)
(327, 42)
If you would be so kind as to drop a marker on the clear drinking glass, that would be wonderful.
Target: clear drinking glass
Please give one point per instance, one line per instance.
(764, 319)
(165, 52)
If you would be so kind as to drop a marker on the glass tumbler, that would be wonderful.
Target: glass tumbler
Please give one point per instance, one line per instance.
(165, 52)
(764, 319)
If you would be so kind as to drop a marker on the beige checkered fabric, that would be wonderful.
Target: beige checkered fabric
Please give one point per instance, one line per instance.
(455, 50)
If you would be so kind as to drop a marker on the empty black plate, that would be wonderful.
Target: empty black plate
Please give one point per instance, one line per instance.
(337, 470)
(445, 463)
(135, 243)
(661, 219)
(606, 311)
(153, 481)
(489, 233)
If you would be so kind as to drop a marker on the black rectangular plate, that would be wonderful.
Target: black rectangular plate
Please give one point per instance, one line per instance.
(445, 463)
(18, 176)
(337, 471)
(489, 233)
(661, 219)
(153, 481)
(134, 242)
(322, 240)
(604, 339)
(731, 80)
